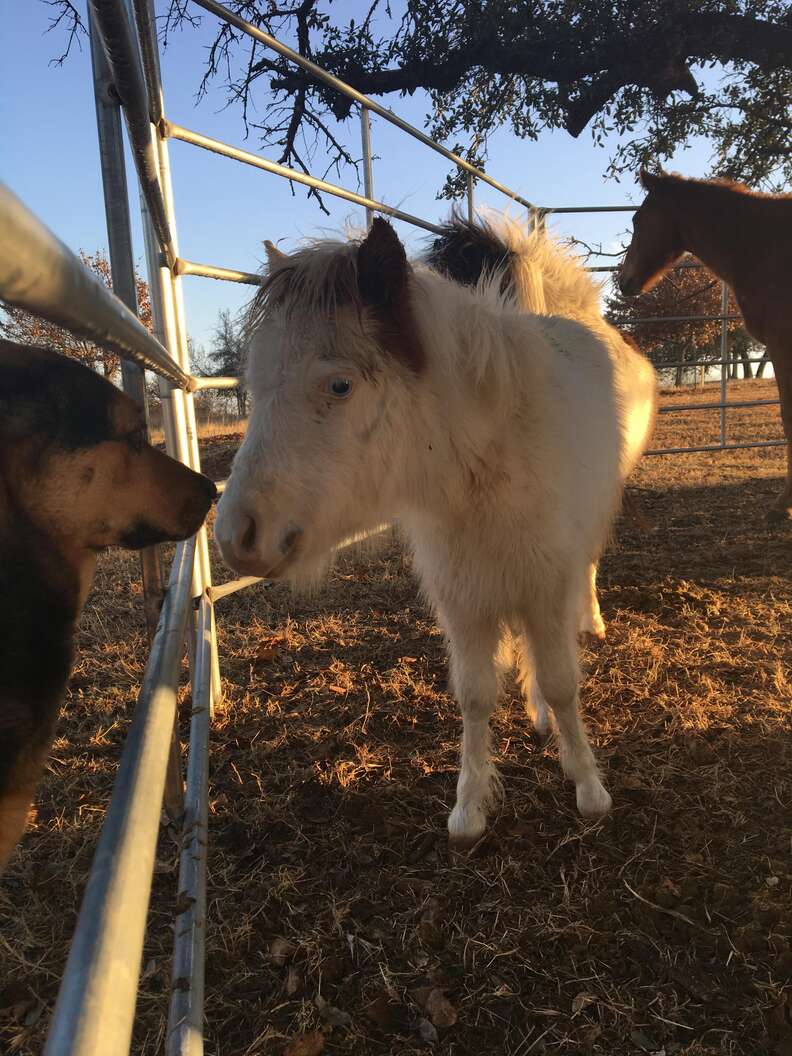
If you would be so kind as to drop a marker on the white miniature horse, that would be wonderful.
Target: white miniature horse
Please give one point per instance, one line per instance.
(543, 279)
(383, 392)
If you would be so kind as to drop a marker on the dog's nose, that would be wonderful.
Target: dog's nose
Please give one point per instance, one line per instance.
(211, 489)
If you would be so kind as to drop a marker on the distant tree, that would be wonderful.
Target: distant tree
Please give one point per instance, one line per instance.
(226, 357)
(684, 291)
(18, 325)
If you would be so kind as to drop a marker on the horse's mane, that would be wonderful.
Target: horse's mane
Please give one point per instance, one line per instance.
(540, 274)
(675, 179)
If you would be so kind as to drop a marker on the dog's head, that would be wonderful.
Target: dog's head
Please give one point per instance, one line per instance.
(75, 462)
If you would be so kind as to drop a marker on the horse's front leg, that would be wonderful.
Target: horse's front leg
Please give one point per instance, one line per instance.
(472, 646)
(781, 358)
(551, 624)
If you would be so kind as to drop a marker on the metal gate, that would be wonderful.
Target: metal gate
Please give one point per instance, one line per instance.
(95, 1007)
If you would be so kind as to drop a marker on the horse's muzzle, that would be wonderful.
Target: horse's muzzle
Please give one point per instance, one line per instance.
(628, 286)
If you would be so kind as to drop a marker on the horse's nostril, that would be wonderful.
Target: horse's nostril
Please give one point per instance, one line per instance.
(245, 535)
(290, 539)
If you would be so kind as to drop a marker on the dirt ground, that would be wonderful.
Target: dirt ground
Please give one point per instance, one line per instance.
(339, 921)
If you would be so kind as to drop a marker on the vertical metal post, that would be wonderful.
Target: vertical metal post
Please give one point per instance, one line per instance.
(185, 1019)
(368, 175)
(172, 303)
(724, 355)
(122, 268)
(471, 183)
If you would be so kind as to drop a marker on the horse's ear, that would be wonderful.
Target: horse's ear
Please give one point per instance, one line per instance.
(382, 267)
(275, 259)
(651, 181)
(383, 278)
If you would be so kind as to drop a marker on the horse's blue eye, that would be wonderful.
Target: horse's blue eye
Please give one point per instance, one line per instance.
(340, 386)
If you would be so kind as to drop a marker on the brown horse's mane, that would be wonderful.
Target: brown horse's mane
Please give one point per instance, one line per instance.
(722, 182)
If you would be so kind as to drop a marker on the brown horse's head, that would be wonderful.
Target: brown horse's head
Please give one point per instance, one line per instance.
(656, 242)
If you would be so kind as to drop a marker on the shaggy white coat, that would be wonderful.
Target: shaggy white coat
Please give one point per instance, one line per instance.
(502, 460)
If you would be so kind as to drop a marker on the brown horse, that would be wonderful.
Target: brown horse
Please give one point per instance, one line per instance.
(745, 238)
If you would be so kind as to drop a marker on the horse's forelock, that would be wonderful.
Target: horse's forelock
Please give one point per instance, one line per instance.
(318, 281)
(324, 277)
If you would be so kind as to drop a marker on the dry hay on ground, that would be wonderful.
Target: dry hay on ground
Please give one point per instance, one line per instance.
(338, 919)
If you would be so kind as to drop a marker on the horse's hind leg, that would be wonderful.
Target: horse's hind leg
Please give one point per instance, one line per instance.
(529, 687)
(552, 626)
(591, 621)
(781, 358)
(472, 647)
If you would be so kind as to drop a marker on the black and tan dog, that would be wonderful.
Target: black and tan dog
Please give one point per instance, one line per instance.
(77, 474)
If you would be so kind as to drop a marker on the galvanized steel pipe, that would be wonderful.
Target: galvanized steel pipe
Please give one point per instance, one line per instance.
(169, 129)
(122, 55)
(96, 1004)
(39, 273)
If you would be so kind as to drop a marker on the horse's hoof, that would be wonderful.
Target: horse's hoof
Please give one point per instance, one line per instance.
(590, 637)
(541, 736)
(593, 799)
(466, 826)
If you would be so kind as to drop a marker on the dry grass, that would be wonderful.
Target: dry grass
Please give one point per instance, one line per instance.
(336, 909)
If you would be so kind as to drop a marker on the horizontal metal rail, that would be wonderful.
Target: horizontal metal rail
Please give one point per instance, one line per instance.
(95, 1007)
(222, 590)
(39, 273)
(715, 447)
(674, 408)
(214, 383)
(120, 47)
(169, 129)
(685, 319)
(709, 362)
(352, 93)
(185, 1021)
(547, 209)
(211, 271)
(685, 264)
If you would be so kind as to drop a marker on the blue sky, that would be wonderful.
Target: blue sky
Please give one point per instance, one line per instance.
(224, 210)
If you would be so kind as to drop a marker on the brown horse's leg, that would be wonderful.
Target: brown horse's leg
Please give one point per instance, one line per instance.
(782, 366)
(17, 796)
(14, 810)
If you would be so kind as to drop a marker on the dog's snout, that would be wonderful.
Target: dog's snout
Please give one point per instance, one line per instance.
(211, 489)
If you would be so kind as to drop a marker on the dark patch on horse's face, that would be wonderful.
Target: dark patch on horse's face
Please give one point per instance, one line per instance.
(383, 276)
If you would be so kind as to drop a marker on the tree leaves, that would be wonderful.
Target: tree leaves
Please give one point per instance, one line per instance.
(630, 68)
